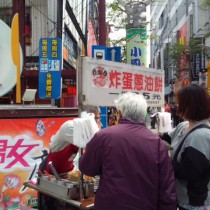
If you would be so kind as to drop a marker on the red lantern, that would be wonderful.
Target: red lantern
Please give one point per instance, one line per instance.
(71, 90)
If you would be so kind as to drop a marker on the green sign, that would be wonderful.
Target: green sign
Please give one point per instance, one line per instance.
(136, 42)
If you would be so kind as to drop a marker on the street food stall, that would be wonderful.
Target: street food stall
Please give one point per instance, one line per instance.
(26, 131)
(69, 192)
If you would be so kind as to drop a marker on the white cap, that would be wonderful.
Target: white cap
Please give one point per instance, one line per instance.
(63, 137)
(78, 132)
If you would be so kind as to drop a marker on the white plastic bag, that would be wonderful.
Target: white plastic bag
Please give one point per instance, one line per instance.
(84, 129)
(164, 122)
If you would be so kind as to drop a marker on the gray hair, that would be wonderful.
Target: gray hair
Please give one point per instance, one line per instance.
(132, 106)
(91, 109)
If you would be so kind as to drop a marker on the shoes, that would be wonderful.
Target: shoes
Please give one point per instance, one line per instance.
(152, 127)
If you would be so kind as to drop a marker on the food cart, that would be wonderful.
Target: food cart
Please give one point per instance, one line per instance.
(29, 128)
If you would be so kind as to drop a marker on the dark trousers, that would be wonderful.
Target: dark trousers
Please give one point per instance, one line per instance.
(153, 121)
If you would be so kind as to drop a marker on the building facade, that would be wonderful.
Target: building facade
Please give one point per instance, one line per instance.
(75, 22)
(179, 21)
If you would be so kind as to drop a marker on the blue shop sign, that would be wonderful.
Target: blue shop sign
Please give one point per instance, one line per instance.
(50, 68)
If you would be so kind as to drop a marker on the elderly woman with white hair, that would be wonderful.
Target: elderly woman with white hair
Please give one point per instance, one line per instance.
(133, 163)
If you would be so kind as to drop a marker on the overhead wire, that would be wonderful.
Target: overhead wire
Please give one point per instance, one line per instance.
(55, 25)
(41, 12)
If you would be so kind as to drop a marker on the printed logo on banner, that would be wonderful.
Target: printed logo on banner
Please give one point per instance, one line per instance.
(43, 64)
(100, 76)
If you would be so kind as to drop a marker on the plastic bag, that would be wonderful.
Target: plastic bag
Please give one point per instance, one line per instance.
(84, 129)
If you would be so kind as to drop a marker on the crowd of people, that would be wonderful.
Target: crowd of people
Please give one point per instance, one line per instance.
(136, 169)
(171, 108)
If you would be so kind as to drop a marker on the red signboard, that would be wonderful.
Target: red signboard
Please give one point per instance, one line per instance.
(22, 145)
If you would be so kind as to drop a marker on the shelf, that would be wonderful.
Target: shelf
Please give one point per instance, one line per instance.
(64, 73)
(20, 111)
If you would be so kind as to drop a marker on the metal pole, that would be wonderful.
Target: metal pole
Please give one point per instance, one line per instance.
(22, 23)
(56, 102)
(102, 24)
(15, 7)
(208, 79)
(59, 18)
(22, 26)
(80, 104)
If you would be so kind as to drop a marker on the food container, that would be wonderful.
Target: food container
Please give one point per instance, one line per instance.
(88, 189)
(73, 191)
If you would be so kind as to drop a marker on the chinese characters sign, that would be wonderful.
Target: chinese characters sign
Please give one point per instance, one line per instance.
(50, 68)
(136, 43)
(14, 153)
(103, 81)
(23, 145)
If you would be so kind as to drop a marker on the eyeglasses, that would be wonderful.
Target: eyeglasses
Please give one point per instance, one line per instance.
(97, 119)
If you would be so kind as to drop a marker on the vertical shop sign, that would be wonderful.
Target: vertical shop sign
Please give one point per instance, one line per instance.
(198, 62)
(136, 42)
(196, 66)
(50, 68)
(191, 26)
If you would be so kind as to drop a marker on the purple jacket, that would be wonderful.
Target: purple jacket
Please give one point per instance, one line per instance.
(134, 167)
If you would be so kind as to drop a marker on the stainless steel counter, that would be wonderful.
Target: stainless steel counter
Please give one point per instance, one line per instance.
(84, 204)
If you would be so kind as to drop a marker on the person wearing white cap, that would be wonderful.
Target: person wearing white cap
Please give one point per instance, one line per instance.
(65, 143)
